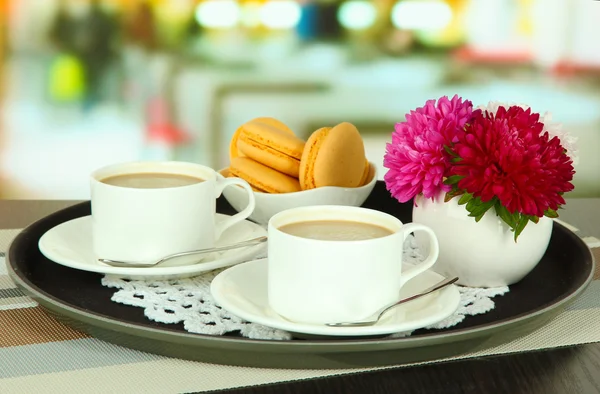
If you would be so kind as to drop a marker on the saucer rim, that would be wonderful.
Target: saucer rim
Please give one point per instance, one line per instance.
(450, 293)
(149, 272)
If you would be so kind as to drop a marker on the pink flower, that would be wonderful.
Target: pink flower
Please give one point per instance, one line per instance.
(416, 160)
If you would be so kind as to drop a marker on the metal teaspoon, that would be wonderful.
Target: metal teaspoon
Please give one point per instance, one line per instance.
(250, 242)
(372, 320)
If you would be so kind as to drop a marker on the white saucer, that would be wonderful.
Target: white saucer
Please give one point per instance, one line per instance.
(242, 290)
(70, 244)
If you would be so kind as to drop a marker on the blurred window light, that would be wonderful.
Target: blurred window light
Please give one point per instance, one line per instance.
(421, 15)
(177, 7)
(250, 15)
(357, 15)
(218, 13)
(280, 14)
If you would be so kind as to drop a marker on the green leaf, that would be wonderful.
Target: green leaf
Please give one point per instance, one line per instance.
(465, 198)
(534, 219)
(523, 220)
(487, 205)
(456, 159)
(472, 204)
(506, 216)
(551, 213)
(476, 211)
(478, 208)
(450, 151)
(453, 179)
(451, 194)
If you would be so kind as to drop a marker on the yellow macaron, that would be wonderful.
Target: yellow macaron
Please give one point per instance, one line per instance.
(334, 156)
(227, 174)
(233, 148)
(262, 178)
(368, 174)
(269, 142)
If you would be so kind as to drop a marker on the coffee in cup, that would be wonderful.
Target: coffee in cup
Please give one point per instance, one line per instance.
(143, 211)
(335, 230)
(151, 180)
(331, 264)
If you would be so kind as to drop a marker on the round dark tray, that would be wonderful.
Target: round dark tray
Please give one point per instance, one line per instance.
(78, 299)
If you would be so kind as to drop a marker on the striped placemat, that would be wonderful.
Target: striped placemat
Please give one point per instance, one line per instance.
(39, 354)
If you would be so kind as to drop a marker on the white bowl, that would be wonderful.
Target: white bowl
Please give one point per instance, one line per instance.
(268, 204)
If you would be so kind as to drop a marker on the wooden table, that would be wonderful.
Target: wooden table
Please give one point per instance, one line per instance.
(566, 370)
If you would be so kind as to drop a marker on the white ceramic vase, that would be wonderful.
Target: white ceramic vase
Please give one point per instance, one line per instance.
(484, 253)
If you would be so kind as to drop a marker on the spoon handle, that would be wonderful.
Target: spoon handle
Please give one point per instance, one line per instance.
(377, 316)
(429, 290)
(250, 242)
(253, 241)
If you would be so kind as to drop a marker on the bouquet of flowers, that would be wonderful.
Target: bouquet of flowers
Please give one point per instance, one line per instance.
(499, 156)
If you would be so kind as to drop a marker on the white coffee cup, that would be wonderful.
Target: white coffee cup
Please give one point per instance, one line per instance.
(145, 224)
(322, 281)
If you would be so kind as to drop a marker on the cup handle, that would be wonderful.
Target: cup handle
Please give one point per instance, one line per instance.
(238, 217)
(434, 251)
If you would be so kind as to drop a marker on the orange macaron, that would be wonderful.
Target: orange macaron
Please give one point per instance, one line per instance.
(262, 178)
(269, 142)
(334, 156)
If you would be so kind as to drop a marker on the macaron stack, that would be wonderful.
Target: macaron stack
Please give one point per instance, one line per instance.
(272, 159)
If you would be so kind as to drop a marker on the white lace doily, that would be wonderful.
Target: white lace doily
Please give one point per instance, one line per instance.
(189, 301)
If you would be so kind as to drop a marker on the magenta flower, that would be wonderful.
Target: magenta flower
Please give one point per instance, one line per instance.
(508, 156)
(416, 159)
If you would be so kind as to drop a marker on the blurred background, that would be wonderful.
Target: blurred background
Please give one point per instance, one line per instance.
(88, 83)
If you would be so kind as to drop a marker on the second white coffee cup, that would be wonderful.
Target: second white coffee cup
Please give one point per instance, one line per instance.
(143, 211)
(324, 281)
